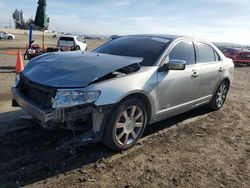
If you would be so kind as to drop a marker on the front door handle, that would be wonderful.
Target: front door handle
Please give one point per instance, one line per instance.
(195, 74)
(221, 69)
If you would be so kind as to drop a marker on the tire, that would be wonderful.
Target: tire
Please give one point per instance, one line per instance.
(125, 125)
(248, 64)
(10, 37)
(220, 96)
(77, 48)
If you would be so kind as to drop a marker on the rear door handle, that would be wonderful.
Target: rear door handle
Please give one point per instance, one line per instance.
(195, 74)
(221, 69)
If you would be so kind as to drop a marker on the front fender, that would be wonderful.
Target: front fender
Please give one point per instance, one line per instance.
(114, 90)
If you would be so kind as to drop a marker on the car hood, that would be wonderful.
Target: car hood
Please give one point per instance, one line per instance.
(74, 69)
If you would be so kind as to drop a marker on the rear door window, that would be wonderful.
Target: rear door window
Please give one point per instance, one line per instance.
(205, 53)
(183, 51)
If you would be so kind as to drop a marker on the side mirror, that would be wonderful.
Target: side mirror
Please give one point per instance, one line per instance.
(174, 64)
(84, 41)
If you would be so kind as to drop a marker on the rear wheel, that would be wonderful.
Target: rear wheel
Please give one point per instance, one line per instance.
(220, 96)
(126, 124)
(77, 47)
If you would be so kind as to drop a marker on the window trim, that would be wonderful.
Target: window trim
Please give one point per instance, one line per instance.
(173, 46)
(214, 51)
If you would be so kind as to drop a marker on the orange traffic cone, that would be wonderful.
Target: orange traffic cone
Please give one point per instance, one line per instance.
(19, 62)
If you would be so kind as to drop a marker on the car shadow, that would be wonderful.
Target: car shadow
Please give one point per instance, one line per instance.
(28, 152)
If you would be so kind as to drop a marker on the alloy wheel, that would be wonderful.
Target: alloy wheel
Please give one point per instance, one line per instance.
(129, 125)
(221, 95)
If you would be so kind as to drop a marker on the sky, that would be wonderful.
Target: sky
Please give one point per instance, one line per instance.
(214, 20)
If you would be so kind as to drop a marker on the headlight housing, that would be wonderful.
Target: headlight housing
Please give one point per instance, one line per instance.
(72, 97)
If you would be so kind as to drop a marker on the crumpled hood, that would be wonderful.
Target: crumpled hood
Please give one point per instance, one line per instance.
(74, 69)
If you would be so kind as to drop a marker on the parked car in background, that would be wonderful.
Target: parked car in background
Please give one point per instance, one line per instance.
(34, 51)
(112, 93)
(71, 43)
(4, 35)
(231, 53)
(238, 57)
(243, 58)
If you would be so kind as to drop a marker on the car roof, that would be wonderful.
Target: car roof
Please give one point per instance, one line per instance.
(170, 37)
(69, 36)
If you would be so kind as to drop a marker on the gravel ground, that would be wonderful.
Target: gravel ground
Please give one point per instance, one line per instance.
(200, 148)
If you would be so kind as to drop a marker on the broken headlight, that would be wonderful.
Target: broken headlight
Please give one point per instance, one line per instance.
(72, 97)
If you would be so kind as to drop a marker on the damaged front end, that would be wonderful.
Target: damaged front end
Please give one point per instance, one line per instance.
(43, 104)
(52, 89)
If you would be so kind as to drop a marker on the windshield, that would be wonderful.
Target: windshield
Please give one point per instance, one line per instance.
(66, 41)
(149, 48)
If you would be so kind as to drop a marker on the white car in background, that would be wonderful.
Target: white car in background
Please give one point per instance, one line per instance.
(4, 35)
(71, 43)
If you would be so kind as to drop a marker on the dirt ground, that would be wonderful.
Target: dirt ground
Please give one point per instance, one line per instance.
(201, 148)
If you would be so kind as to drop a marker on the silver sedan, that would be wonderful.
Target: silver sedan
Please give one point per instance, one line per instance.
(112, 93)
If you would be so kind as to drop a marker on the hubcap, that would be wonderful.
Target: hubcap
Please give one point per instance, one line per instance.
(221, 95)
(129, 125)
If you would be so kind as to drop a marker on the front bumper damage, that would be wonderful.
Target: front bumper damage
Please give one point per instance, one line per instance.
(94, 118)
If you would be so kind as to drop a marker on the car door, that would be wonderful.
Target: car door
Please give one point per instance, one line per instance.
(177, 89)
(210, 70)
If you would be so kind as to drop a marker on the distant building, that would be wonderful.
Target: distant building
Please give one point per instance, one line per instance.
(20, 22)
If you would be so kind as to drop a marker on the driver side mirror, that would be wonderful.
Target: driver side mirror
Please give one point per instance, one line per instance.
(174, 64)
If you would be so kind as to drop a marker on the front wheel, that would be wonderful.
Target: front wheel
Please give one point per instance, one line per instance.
(10, 37)
(220, 96)
(126, 124)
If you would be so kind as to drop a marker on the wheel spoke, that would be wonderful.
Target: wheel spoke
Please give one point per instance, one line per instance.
(125, 115)
(138, 124)
(223, 87)
(133, 134)
(126, 139)
(133, 111)
(120, 135)
(219, 102)
(224, 90)
(138, 115)
(120, 125)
